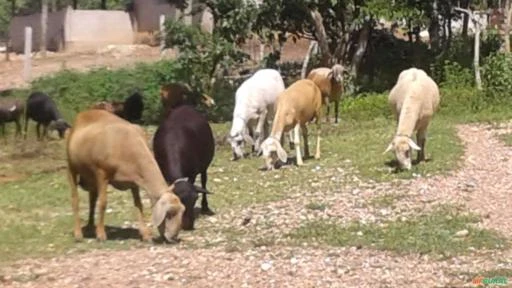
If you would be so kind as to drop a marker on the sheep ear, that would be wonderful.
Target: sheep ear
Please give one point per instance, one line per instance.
(413, 145)
(390, 147)
(160, 210)
(330, 74)
(281, 154)
(202, 190)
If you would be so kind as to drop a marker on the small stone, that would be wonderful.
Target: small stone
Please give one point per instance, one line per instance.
(359, 233)
(294, 261)
(266, 266)
(216, 180)
(462, 233)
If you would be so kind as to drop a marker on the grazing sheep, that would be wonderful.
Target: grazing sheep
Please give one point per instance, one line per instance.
(175, 94)
(103, 149)
(130, 109)
(184, 147)
(330, 82)
(41, 108)
(254, 106)
(11, 111)
(413, 100)
(297, 105)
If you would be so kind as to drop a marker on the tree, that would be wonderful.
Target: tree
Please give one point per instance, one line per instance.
(506, 33)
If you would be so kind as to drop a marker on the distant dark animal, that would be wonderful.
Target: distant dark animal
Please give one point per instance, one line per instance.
(130, 109)
(11, 111)
(184, 147)
(43, 110)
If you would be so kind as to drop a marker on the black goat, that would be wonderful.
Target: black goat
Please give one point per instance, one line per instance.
(130, 110)
(11, 111)
(184, 147)
(43, 110)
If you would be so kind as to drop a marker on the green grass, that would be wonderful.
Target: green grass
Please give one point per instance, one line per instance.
(507, 139)
(385, 200)
(426, 233)
(35, 202)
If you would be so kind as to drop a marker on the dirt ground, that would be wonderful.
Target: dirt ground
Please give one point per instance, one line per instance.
(484, 178)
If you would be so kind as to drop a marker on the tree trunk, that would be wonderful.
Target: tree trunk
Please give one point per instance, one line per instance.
(103, 5)
(75, 4)
(44, 26)
(506, 33)
(303, 72)
(433, 29)
(465, 22)
(321, 36)
(362, 44)
(476, 60)
(54, 6)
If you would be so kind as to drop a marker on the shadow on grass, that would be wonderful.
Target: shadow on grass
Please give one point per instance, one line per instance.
(113, 233)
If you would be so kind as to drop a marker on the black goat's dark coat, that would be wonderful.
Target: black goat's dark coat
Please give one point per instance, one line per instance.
(43, 110)
(184, 146)
(133, 107)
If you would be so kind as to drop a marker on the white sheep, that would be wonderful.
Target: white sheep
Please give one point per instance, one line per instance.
(254, 105)
(413, 100)
(330, 82)
(295, 107)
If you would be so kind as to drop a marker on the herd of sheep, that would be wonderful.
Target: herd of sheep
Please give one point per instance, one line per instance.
(106, 146)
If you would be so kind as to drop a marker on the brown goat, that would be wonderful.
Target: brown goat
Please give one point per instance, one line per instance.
(103, 149)
(175, 94)
(330, 82)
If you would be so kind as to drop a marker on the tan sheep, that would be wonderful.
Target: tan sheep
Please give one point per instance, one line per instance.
(295, 107)
(174, 94)
(413, 100)
(330, 82)
(104, 149)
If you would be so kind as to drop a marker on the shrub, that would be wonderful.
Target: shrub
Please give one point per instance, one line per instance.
(497, 78)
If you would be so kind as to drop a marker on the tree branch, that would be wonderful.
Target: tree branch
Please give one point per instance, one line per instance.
(322, 37)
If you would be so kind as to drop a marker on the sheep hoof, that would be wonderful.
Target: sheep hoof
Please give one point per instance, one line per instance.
(79, 237)
(207, 211)
(101, 236)
(317, 157)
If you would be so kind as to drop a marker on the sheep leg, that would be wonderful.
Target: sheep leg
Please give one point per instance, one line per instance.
(38, 131)
(93, 198)
(102, 205)
(328, 109)
(421, 137)
(72, 177)
(204, 201)
(296, 136)
(305, 137)
(26, 127)
(318, 133)
(18, 127)
(336, 107)
(143, 230)
(259, 133)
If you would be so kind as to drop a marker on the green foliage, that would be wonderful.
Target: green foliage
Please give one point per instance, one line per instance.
(365, 107)
(497, 78)
(78, 90)
(427, 233)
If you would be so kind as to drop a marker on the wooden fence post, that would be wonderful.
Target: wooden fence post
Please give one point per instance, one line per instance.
(27, 67)
(162, 34)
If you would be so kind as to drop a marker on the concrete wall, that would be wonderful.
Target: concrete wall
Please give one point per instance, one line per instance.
(92, 29)
(147, 14)
(55, 31)
(76, 30)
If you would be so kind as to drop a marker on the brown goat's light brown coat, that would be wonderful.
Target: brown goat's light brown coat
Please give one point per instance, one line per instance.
(330, 82)
(295, 107)
(103, 149)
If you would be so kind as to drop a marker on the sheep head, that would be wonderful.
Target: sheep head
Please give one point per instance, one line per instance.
(337, 73)
(167, 215)
(60, 125)
(402, 146)
(188, 194)
(239, 136)
(207, 101)
(271, 151)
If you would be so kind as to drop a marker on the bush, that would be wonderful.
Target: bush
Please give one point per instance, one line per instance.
(497, 78)
(75, 91)
(365, 107)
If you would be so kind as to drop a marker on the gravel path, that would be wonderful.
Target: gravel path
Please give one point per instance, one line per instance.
(481, 186)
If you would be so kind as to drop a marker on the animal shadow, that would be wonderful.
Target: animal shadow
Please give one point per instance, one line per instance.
(113, 233)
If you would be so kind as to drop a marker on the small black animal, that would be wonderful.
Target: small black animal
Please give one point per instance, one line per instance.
(43, 110)
(11, 111)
